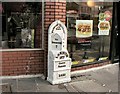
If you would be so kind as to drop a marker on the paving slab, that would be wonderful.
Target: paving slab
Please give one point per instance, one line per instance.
(45, 86)
(70, 88)
(114, 69)
(109, 71)
(113, 87)
(26, 84)
(40, 81)
(112, 83)
(103, 77)
(50, 88)
(5, 87)
(89, 86)
(12, 83)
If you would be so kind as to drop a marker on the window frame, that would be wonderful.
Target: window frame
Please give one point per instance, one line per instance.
(41, 35)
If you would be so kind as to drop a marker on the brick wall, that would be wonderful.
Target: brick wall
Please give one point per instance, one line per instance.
(22, 62)
(53, 11)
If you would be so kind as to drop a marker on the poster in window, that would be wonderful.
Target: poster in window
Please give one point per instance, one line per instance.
(84, 28)
(27, 36)
(104, 27)
(106, 16)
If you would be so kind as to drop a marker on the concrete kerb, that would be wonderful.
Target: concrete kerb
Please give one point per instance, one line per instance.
(22, 76)
(75, 73)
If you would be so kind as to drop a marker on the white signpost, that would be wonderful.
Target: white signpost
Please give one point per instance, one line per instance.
(59, 63)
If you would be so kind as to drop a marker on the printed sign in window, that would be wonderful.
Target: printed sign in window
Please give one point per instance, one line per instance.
(84, 28)
(104, 27)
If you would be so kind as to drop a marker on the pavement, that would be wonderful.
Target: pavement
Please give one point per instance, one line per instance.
(103, 80)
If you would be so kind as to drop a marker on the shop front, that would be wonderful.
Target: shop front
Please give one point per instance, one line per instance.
(25, 34)
(90, 33)
(22, 48)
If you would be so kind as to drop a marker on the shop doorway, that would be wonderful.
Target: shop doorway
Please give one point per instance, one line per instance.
(114, 51)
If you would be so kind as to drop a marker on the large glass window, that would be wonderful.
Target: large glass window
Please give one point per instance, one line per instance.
(88, 48)
(21, 25)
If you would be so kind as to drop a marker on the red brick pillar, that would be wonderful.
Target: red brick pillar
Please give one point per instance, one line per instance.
(53, 11)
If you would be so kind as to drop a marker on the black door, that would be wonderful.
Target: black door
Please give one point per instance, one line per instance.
(114, 51)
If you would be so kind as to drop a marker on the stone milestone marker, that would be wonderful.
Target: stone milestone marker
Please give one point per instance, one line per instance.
(59, 63)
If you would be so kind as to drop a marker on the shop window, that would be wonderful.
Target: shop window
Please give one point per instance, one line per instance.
(88, 48)
(21, 25)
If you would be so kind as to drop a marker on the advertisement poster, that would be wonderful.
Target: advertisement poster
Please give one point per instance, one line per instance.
(84, 28)
(106, 16)
(104, 28)
(104, 23)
